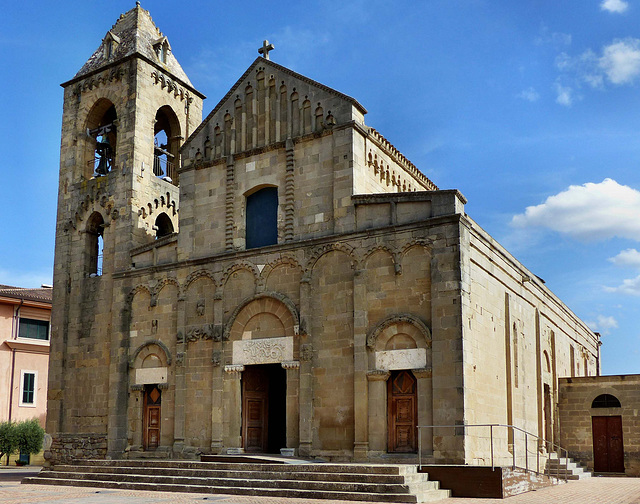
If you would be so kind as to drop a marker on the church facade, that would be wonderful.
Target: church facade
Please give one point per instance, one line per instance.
(277, 275)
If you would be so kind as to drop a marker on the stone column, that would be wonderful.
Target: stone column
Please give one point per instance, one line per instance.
(378, 411)
(360, 366)
(229, 204)
(232, 414)
(292, 405)
(136, 399)
(425, 408)
(180, 382)
(306, 376)
(217, 381)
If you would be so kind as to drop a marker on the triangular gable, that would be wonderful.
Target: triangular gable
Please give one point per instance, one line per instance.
(238, 88)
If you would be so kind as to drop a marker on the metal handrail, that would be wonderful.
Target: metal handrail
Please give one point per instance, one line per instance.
(550, 446)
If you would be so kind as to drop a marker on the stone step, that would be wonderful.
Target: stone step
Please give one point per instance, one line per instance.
(272, 492)
(566, 468)
(242, 474)
(389, 469)
(324, 486)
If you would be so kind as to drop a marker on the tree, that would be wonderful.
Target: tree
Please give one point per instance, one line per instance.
(26, 436)
(30, 436)
(8, 439)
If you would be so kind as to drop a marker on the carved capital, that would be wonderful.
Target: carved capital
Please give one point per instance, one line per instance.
(234, 368)
(180, 358)
(422, 373)
(136, 388)
(216, 359)
(378, 375)
(294, 364)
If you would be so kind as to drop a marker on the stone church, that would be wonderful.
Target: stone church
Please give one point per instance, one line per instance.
(277, 276)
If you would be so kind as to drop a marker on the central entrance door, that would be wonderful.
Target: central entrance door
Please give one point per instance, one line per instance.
(264, 408)
(151, 417)
(402, 407)
(608, 450)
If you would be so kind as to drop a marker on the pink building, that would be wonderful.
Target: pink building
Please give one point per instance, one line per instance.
(25, 316)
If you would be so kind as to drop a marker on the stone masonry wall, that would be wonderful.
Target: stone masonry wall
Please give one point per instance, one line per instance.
(575, 399)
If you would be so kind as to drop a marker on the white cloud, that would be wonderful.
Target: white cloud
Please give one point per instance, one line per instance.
(553, 38)
(603, 324)
(628, 257)
(529, 94)
(564, 95)
(617, 6)
(630, 286)
(592, 211)
(621, 60)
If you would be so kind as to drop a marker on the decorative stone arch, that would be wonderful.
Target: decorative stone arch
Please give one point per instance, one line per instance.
(202, 273)
(134, 291)
(395, 258)
(325, 249)
(252, 268)
(93, 231)
(416, 243)
(161, 285)
(148, 347)
(281, 261)
(383, 331)
(265, 302)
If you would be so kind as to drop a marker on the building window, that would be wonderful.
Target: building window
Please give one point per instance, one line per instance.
(28, 388)
(163, 225)
(606, 401)
(34, 329)
(262, 218)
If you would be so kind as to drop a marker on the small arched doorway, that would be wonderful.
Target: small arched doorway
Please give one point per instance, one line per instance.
(608, 445)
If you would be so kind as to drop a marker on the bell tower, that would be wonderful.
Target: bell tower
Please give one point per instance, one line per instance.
(126, 114)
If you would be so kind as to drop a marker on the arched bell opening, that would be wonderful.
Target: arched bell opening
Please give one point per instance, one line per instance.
(94, 245)
(163, 225)
(101, 139)
(166, 144)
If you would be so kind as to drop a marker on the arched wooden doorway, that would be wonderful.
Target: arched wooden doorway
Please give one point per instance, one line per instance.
(402, 408)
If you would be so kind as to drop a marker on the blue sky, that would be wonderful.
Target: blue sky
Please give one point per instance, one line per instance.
(531, 109)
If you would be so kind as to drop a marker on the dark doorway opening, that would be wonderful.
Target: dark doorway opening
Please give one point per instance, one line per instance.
(264, 397)
(608, 449)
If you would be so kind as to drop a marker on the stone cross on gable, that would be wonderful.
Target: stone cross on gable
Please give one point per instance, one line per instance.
(266, 47)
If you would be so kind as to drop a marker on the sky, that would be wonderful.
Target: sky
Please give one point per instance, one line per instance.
(531, 109)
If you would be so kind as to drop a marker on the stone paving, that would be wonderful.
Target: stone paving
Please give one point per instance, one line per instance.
(589, 491)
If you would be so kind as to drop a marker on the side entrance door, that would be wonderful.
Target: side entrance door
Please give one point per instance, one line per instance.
(151, 417)
(402, 412)
(255, 407)
(608, 450)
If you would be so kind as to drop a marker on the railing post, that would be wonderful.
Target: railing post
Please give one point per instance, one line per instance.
(491, 432)
(566, 465)
(419, 448)
(526, 452)
(513, 451)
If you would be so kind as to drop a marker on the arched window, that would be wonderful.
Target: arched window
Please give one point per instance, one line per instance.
(102, 133)
(262, 218)
(606, 401)
(94, 245)
(166, 142)
(163, 225)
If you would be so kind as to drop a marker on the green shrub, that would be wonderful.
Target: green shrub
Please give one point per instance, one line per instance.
(26, 436)
(8, 439)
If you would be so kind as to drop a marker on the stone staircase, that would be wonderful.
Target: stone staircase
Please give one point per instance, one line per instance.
(563, 466)
(356, 482)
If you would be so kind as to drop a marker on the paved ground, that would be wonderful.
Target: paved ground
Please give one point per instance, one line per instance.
(589, 491)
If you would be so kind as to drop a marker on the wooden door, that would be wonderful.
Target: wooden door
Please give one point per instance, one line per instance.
(608, 449)
(402, 412)
(255, 408)
(151, 417)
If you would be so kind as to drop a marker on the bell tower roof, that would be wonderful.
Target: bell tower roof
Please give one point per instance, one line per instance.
(134, 34)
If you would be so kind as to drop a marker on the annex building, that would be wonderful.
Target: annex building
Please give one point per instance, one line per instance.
(277, 275)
